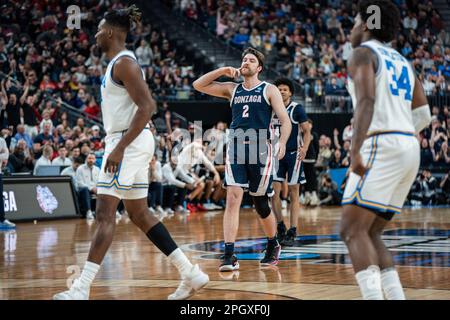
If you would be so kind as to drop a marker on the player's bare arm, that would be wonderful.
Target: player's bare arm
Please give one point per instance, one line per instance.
(305, 127)
(362, 70)
(276, 101)
(129, 72)
(207, 84)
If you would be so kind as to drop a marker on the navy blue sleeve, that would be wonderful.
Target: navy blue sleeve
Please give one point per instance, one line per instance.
(299, 114)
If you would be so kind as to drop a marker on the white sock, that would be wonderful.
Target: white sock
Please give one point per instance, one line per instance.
(181, 262)
(369, 282)
(392, 287)
(89, 272)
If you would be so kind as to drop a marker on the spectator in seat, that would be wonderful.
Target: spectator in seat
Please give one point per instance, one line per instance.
(45, 136)
(22, 135)
(46, 120)
(62, 159)
(428, 186)
(75, 153)
(445, 189)
(240, 39)
(83, 194)
(172, 186)
(426, 156)
(44, 160)
(155, 189)
(20, 160)
(328, 192)
(190, 156)
(87, 176)
(333, 94)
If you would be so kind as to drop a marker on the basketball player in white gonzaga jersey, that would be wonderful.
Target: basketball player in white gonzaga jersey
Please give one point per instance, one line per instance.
(390, 108)
(127, 106)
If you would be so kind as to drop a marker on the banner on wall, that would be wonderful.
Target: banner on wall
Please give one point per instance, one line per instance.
(36, 198)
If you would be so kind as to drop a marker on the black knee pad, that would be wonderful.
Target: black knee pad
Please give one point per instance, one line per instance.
(262, 206)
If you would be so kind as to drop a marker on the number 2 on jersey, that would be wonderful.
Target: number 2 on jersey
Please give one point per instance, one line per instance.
(245, 111)
(402, 83)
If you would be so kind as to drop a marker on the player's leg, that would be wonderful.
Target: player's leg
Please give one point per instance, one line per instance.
(230, 227)
(405, 167)
(354, 231)
(219, 194)
(235, 180)
(260, 188)
(278, 180)
(268, 223)
(284, 195)
(295, 176)
(209, 189)
(291, 234)
(311, 184)
(193, 278)
(385, 260)
(102, 239)
(276, 208)
(106, 224)
(390, 281)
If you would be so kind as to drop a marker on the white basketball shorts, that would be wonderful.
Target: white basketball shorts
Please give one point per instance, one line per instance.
(393, 160)
(131, 180)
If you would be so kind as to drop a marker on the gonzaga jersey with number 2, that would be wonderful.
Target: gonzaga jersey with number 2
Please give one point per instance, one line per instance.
(251, 108)
(394, 90)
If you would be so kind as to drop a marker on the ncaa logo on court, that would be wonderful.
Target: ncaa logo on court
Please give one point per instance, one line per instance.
(409, 247)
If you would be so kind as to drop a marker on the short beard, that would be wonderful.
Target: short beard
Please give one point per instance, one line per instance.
(249, 73)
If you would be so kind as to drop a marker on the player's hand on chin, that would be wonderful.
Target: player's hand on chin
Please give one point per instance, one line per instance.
(231, 72)
(114, 160)
(357, 165)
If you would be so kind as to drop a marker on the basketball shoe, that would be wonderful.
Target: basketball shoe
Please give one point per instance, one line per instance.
(191, 283)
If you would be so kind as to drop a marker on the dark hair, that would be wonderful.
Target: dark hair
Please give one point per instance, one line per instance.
(78, 160)
(390, 18)
(286, 82)
(123, 18)
(257, 54)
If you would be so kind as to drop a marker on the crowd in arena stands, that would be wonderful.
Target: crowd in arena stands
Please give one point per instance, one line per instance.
(433, 181)
(44, 66)
(310, 41)
(48, 64)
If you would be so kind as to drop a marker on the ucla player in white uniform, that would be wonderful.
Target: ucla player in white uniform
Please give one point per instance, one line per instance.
(127, 106)
(390, 108)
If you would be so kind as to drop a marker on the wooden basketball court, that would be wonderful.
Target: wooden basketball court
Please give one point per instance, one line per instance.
(36, 258)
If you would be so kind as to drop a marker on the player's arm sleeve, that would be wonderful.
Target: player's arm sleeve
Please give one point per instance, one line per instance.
(421, 114)
(421, 117)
